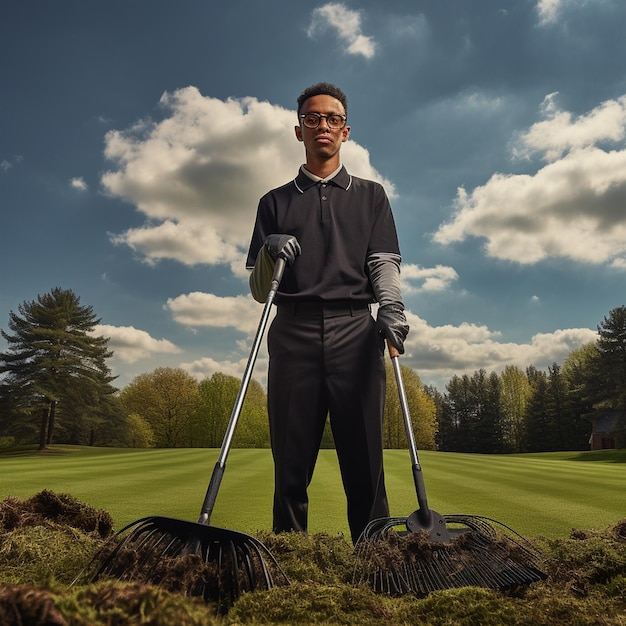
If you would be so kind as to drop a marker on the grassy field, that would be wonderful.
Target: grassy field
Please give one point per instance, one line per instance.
(536, 494)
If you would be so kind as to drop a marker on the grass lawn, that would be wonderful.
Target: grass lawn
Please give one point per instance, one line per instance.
(536, 494)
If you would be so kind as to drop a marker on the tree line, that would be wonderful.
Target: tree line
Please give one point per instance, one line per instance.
(537, 411)
(55, 385)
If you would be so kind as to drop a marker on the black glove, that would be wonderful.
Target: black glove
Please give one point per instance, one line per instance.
(391, 323)
(284, 246)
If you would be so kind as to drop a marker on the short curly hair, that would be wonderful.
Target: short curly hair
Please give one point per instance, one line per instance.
(325, 89)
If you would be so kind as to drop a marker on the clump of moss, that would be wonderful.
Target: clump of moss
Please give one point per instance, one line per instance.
(39, 555)
(48, 506)
(104, 604)
(126, 604)
(587, 557)
(43, 547)
(320, 558)
(306, 603)
(48, 537)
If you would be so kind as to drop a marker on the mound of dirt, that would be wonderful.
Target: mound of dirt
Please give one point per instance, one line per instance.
(47, 506)
(27, 606)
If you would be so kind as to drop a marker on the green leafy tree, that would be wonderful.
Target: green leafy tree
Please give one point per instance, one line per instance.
(439, 403)
(393, 427)
(217, 398)
(54, 365)
(167, 399)
(253, 427)
(140, 434)
(514, 398)
(218, 395)
(422, 410)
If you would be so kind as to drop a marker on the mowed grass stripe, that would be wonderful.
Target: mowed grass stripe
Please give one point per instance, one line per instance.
(532, 494)
(535, 494)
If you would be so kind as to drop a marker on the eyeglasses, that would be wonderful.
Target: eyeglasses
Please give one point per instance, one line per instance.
(334, 120)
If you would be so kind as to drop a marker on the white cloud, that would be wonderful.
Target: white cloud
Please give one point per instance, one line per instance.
(131, 344)
(570, 208)
(560, 132)
(438, 278)
(240, 313)
(548, 10)
(551, 11)
(197, 175)
(440, 352)
(199, 309)
(347, 24)
(79, 184)
(206, 367)
(188, 241)
(436, 352)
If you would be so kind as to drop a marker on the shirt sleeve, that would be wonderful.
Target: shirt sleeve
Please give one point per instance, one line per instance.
(384, 237)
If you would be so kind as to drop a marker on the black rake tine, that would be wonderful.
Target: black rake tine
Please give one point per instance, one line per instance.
(107, 566)
(154, 562)
(249, 553)
(235, 590)
(267, 574)
(249, 568)
(248, 560)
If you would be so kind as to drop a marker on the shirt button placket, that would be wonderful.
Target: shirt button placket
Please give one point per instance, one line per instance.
(323, 201)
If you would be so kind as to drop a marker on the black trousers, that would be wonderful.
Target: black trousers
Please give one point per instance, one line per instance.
(326, 363)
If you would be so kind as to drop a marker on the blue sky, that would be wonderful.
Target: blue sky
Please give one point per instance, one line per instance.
(137, 136)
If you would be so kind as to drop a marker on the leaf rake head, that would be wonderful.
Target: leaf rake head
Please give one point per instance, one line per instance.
(191, 558)
(395, 561)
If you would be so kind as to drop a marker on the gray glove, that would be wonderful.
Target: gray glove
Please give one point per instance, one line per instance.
(391, 323)
(384, 272)
(284, 246)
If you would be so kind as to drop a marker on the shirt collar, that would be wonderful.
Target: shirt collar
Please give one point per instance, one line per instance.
(305, 179)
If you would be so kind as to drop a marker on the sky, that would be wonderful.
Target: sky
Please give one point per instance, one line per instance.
(137, 136)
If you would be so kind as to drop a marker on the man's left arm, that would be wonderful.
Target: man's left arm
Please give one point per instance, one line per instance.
(384, 274)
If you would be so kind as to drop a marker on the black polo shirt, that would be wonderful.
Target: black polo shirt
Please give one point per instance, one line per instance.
(339, 224)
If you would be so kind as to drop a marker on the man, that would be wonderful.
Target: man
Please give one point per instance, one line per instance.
(326, 351)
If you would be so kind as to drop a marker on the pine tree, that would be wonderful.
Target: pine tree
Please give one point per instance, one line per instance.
(611, 346)
(54, 364)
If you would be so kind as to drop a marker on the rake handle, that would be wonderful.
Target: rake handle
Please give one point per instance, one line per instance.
(420, 489)
(220, 466)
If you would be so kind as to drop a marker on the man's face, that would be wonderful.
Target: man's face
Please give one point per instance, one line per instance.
(322, 142)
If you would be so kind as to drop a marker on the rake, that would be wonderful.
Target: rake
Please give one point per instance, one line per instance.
(427, 551)
(195, 558)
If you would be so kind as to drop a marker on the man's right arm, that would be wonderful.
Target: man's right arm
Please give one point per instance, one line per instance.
(275, 246)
